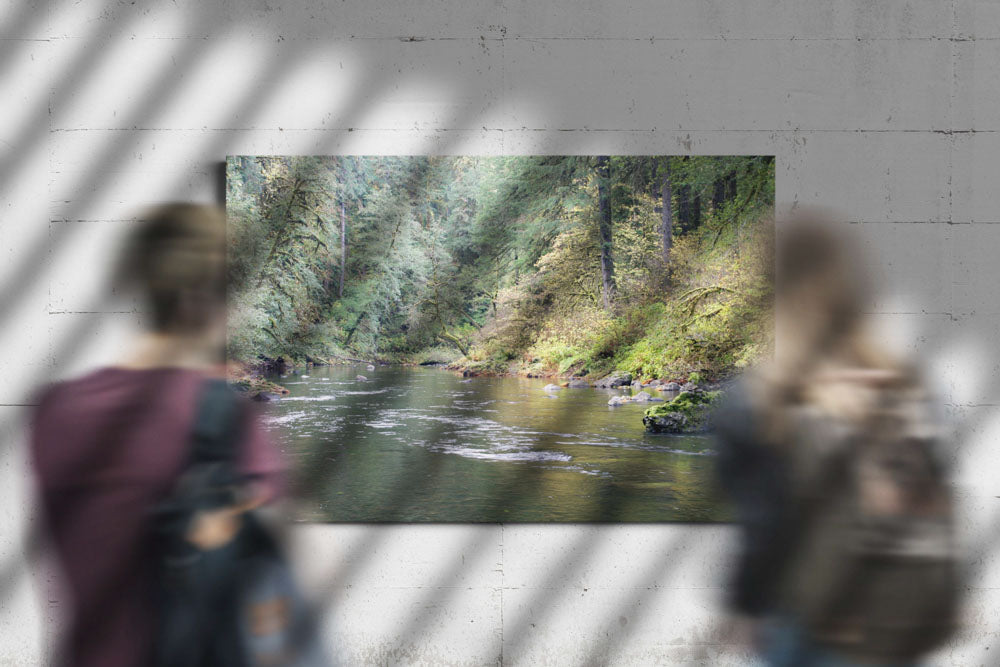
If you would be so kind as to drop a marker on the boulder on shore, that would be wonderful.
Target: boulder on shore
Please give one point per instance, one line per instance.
(670, 386)
(616, 379)
(579, 384)
(689, 386)
(265, 396)
(552, 387)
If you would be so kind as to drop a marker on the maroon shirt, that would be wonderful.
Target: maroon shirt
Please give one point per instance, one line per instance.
(107, 448)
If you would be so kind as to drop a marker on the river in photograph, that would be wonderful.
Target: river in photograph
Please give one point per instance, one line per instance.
(425, 444)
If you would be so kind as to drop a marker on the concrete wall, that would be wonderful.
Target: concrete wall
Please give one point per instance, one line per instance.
(887, 110)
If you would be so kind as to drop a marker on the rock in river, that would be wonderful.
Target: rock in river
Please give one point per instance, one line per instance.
(579, 384)
(552, 387)
(642, 397)
(616, 379)
(370, 367)
(668, 422)
(619, 400)
(361, 378)
(688, 413)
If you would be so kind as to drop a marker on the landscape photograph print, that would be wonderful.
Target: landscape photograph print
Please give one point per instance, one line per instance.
(498, 338)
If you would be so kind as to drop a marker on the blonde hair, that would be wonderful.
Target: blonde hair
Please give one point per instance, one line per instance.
(826, 358)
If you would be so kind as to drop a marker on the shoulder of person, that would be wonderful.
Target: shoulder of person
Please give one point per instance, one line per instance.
(738, 415)
(743, 399)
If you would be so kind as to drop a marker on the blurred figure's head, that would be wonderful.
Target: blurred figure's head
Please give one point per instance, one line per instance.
(176, 262)
(819, 291)
(825, 353)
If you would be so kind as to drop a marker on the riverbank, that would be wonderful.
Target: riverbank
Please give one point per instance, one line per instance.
(249, 378)
(679, 406)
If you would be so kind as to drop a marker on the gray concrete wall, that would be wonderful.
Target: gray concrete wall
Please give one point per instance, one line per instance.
(886, 110)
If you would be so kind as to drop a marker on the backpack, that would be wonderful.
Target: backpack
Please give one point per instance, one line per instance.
(874, 569)
(237, 605)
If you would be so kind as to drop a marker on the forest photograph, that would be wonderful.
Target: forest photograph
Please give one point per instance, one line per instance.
(498, 338)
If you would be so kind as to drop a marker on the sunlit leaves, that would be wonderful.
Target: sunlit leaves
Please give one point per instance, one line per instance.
(498, 257)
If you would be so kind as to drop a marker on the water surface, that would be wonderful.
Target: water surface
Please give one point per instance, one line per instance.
(424, 444)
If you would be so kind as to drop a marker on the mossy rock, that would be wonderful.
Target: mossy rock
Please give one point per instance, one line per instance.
(687, 413)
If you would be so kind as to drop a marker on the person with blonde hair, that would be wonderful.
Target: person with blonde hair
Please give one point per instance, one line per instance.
(832, 454)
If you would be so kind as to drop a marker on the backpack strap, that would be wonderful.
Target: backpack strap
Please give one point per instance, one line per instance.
(217, 425)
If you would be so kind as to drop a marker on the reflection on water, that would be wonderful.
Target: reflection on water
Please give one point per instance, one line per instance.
(421, 444)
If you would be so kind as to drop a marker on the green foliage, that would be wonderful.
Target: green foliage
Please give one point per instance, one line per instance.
(498, 260)
(436, 355)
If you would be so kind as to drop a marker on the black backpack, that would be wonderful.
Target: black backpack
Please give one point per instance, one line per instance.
(237, 605)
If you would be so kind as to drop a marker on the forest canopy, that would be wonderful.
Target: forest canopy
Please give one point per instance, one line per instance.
(549, 265)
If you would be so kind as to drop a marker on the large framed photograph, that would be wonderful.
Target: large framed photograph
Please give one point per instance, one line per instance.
(498, 339)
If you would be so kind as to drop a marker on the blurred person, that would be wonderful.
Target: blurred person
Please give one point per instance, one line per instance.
(148, 471)
(832, 454)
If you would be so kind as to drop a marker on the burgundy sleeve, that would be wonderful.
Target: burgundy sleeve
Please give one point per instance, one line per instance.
(261, 458)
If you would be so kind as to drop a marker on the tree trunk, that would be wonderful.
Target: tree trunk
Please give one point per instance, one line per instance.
(684, 207)
(667, 217)
(357, 323)
(724, 191)
(604, 228)
(719, 194)
(688, 208)
(343, 247)
(454, 340)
